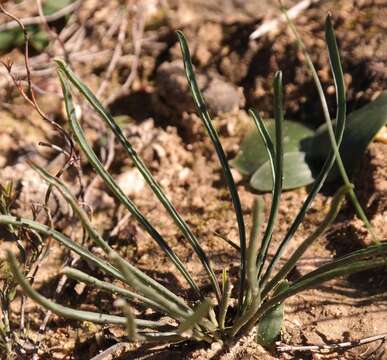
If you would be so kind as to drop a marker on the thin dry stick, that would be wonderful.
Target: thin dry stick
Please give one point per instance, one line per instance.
(137, 39)
(31, 275)
(331, 347)
(123, 221)
(38, 20)
(30, 95)
(52, 32)
(273, 25)
(116, 54)
(58, 291)
(109, 352)
(108, 162)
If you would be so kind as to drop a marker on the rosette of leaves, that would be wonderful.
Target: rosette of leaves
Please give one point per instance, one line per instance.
(218, 314)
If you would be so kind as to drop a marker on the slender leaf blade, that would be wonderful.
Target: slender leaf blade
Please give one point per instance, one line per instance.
(278, 179)
(65, 311)
(204, 115)
(65, 71)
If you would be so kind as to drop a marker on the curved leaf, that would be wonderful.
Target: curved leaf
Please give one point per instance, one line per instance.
(269, 327)
(361, 127)
(296, 173)
(252, 153)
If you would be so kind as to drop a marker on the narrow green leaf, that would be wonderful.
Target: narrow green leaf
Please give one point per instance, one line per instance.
(97, 238)
(325, 274)
(205, 117)
(291, 262)
(253, 298)
(338, 76)
(116, 190)
(65, 71)
(252, 251)
(277, 189)
(370, 258)
(109, 287)
(170, 307)
(371, 252)
(200, 312)
(269, 327)
(341, 119)
(251, 308)
(65, 311)
(267, 141)
(64, 240)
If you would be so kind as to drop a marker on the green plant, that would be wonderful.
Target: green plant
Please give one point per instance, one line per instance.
(305, 150)
(207, 317)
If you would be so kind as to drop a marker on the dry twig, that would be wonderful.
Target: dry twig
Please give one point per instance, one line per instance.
(331, 347)
(38, 19)
(116, 54)
(54, 35)
(273, 25)
(137, 38)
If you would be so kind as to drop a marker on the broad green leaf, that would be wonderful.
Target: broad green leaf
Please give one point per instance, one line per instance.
(361, 127)
(269, 327)
(252, 153)
(296, 173)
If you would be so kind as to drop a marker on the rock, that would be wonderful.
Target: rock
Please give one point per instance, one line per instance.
(223, 97)
(131, 182)
(173, 96)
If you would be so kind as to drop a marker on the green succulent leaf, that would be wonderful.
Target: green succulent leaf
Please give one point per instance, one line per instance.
(270, 325)
(297, 172)
(253, 154)
(361, 127)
